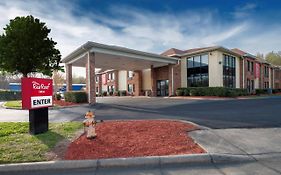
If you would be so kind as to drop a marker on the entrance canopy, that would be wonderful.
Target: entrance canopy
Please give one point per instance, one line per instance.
(94, 56)
(115, 57)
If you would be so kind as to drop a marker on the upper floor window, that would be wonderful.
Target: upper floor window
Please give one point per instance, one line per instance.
(198, 71)
(229, 65)
(250, 66)
(266, 71)
(130, 74)
(111, 76)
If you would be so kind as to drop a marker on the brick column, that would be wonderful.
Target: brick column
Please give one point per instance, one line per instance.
(90, 78)
(174, 78)
(153, 81)
(68, 71)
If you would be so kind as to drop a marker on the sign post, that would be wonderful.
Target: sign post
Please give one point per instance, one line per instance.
(37, 96)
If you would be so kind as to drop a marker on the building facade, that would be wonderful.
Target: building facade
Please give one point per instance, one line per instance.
(141, 73)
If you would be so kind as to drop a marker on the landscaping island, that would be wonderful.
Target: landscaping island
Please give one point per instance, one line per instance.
(137, 138)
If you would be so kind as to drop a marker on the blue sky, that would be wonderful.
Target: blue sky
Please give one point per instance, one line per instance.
(154, 26)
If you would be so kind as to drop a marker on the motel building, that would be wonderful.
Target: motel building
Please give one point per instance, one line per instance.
(147, 74)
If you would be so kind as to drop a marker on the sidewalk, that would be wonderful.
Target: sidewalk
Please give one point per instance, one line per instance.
(262, 144)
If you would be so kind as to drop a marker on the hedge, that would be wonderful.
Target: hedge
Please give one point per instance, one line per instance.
(267, 91)
(211, 91)
(274, 91)
(261, 91)
(10, 95)
(76, 96)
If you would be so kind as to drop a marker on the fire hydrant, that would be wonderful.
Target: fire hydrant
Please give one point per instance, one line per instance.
(90, 125)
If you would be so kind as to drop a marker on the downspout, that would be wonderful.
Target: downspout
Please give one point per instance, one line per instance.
(243, 72)
(172, 80)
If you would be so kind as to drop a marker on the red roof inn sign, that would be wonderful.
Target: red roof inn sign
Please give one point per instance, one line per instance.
(36, 93)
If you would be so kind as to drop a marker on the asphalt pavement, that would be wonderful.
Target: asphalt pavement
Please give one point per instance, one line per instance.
(241, 129)
(229, 113)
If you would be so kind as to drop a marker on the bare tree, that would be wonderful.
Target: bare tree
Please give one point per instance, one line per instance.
(58, 80)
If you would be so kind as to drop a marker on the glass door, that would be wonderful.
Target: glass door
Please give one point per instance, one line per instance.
(162, 87)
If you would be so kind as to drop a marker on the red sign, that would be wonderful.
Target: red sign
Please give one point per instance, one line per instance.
(36, 93)
(257, 72)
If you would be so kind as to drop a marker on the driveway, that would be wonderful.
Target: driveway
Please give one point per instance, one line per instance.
(230, 113)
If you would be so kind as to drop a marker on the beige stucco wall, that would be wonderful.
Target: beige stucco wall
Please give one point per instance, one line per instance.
(215, 69)
(104, 88)
(146, 79)
(122, 80)
(237, 72)
(257, 82)
(183, 72)
(270, 80)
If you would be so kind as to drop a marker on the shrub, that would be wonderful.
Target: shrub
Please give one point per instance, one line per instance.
(10, 95)
(211, 91)
(276, 91)
(104, 93)
(76, 96)
(57, 96)
(110, 93)
(261, 91)
(186, 92)
(123, 93)
(115, 93)
(179, 92)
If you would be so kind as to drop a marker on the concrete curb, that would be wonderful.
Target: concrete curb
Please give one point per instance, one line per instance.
(152, 161)
(50, 108)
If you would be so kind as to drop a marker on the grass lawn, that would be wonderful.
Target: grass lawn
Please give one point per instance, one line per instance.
(16, 145)
(13, 104)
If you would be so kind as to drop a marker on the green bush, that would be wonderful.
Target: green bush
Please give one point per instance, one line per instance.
(104, 93)
(76, 97)
(57, 96)
(123, 93)
(274, 91)
(261, 91)
(10, 95)
(179, 92)
(211, 91)
(186, 92)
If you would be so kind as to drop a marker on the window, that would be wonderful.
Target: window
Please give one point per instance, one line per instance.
(198, 71)
(113, 76)
(109, 76)
(130, 74)
(97, 79)
(266, 71)
(229, 77)
(266, 85)
(110, 88)
(131, 88)
(97, 89)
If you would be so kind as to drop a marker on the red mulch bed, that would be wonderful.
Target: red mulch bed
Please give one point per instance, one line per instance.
(63, 103)
(135, 138)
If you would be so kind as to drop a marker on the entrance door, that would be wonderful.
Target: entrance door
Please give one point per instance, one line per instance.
(162, 87)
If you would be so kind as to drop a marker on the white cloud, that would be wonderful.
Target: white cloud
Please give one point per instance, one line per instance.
(141, 29)
(244, 11)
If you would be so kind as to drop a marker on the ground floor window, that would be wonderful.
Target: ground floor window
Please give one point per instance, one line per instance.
(131, 88)
(250, 85)
(266, 85)
(110, 88)
(162, 87)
